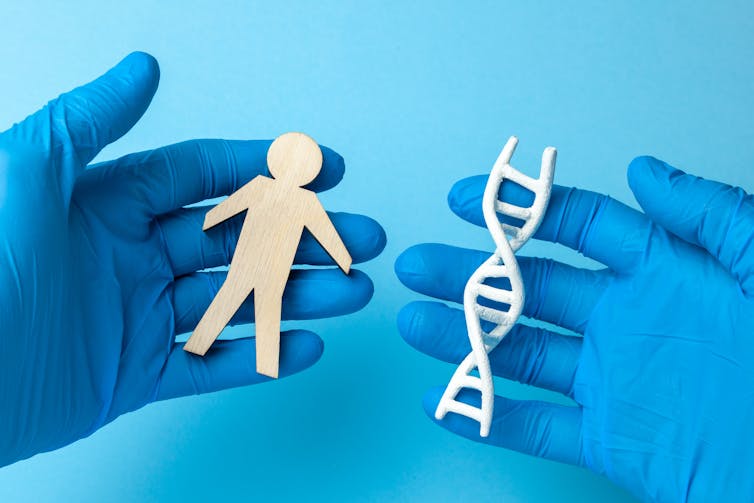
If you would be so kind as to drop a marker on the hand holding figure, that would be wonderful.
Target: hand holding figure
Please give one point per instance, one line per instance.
(101, 266)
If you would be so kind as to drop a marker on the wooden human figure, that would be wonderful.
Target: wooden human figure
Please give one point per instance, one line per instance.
(277, 211)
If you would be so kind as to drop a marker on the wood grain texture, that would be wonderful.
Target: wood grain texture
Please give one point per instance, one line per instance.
(277, 211)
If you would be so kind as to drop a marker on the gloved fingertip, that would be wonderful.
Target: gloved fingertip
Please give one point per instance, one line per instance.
(464, 199)
(646, 168)
(430, 400)
(380, 238)
(651, 180)
(405, 321)
(139, 62)
(407, 264)
(135, 77)
(371, 237)
(638, 169)
(321, 293)
(299, 350)
(365, 292)
(641, 177)
(453, 195)
(333, 170)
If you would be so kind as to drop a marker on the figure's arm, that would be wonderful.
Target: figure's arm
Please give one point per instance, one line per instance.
(323, 230)
(232, 206)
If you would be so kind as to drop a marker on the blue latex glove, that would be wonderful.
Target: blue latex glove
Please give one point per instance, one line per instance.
(663, 377)
(98, 266)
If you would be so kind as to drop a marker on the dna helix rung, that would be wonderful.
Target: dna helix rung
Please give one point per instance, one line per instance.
(501, 264)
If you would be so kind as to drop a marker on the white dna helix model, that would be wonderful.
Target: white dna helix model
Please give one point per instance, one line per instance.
(501, 264)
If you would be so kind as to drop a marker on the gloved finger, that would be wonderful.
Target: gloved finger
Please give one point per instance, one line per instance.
(168, 178)
(713, 215)
(190, 249)
(527, 354)
(540, 429)
(309, 294)
(232, 363)
(593, 224)
(555, 292)
(83, 121)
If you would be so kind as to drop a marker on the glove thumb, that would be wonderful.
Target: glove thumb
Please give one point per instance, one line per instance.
(712, 215)
(80, 123)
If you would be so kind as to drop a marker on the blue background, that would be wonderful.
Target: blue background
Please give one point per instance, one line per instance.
(415, 97)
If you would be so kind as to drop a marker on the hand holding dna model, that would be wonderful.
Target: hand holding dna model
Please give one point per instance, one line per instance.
(479, 298)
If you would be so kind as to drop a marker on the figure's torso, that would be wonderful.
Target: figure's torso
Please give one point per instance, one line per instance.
(272, 229)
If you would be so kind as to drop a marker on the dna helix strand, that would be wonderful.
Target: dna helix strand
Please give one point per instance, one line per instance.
(502, 263)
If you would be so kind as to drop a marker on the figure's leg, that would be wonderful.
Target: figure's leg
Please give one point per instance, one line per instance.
(267, 311)
(225, 304)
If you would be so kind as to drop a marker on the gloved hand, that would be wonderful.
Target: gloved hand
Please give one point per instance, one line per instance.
(663, 377)
(98, 266)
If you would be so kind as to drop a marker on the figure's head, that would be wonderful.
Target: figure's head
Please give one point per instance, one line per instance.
(295, 158)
